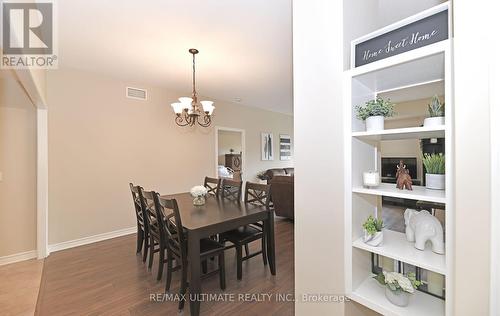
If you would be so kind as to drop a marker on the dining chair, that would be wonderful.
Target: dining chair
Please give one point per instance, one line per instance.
(175, 241)
(156, 244)
(231, 189)
(255, 194)
(212, 185)
(142, 223)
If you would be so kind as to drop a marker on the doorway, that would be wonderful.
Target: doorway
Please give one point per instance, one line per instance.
(230, 153)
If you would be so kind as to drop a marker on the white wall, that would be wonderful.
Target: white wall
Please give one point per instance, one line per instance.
(472, 151)
(319, 185)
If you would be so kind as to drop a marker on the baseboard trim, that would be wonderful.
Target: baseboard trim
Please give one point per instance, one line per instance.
(18, 257)
(91, 239)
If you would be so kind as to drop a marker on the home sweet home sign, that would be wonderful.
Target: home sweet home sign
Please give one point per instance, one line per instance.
(422, 32)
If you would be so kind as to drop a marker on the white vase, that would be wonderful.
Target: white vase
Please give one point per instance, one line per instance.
(435, 181)
(375, 123)
(399, 298)
(374, 240)
(434, 121)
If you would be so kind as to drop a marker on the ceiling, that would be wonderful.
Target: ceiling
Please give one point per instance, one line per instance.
(245, 46)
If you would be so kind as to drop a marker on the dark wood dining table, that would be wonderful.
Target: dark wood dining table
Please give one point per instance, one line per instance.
(217, 216)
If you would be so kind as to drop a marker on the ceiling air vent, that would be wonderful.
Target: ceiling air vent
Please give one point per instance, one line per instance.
(136, 93)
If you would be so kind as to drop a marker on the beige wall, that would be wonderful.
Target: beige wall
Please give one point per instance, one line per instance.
(228, 140)
(99, 141)
(18, 168)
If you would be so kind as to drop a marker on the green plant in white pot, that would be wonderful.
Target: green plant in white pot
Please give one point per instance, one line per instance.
(398, 287)
(436, 113)
(373, 113)
(435, 171)
(374, 235)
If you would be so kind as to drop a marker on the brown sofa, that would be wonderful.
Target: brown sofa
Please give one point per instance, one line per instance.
(282, 187)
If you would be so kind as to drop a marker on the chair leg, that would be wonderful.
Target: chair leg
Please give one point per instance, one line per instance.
(169, 270)
(222, 271)
(246, 250)
(146, 248)
(183, 285)
(264, 250)
(204, 266)
(161, 261)
(140, 239)
(239, 262)
(151, 252)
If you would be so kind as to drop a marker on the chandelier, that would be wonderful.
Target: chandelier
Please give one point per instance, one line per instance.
(188, 111)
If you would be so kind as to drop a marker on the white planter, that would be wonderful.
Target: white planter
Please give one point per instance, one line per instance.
(435, 181)
(434, 121)
(375, 123)
(374, 240)
(400, 298)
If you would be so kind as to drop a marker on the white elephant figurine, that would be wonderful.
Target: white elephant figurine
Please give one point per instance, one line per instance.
(421, 227)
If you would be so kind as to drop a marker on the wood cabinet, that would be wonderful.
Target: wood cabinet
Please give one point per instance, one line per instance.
(233, 161)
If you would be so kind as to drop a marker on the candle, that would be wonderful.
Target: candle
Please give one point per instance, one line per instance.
(371, 178)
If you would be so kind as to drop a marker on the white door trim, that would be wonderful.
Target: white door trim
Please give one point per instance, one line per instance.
(42, 183)
(495, 188)
(243, 150)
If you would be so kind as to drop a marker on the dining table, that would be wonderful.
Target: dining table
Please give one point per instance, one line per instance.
(217, 216)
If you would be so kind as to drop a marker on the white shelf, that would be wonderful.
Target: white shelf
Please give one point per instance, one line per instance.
(371, 294)
(418, 192)
(421, 65)
(396, 246)
(402, 133)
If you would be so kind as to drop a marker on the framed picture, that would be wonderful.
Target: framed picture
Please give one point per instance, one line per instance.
(267, 144)
(285, 147)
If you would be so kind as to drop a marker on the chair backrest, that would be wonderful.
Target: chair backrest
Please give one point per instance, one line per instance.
(136, 197)
(171, 225)
(151, 214)
(231, 189)
(212, 185)
(257, 194)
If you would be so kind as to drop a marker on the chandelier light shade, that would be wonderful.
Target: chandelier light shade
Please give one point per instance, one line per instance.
(188, 111)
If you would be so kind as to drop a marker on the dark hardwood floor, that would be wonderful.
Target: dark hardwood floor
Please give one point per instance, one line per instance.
(107, 278)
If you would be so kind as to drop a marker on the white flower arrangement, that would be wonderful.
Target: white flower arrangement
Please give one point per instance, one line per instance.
(198, 191)
(397, 282)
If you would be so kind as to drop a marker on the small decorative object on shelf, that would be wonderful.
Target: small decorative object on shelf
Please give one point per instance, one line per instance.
(373, 113)
(398, 287)
(403, 178)
(422, 227)
(436, 112)
(435, 167)
(198, 193)
(374, 235)
(371, 179)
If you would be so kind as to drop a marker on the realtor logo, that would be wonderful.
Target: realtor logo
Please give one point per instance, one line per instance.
(28, 35)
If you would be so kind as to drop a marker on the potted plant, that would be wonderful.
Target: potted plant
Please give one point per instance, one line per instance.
(198, 193)
(374, 112)
(398, 287)
(436, 112)
(435, 168)
(374, 236)
(262, 176)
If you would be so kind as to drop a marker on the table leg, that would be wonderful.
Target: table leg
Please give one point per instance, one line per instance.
(270, 243)
(194, 272)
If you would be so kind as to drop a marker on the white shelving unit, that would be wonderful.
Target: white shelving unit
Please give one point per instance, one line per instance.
(429, 65)
(418, 192)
